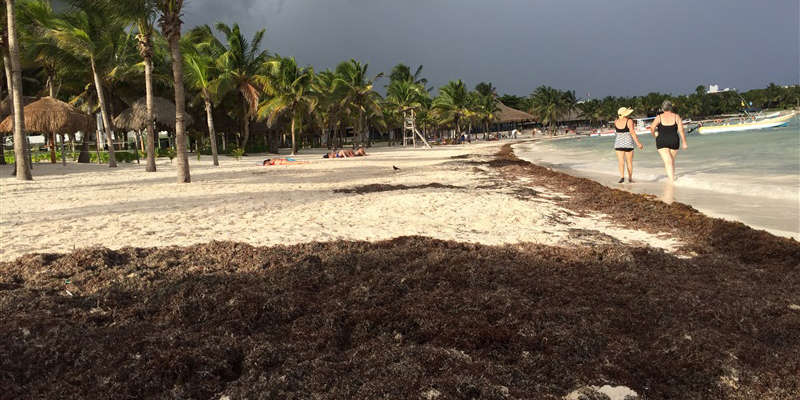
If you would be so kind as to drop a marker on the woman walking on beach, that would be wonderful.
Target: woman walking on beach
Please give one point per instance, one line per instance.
(668, 124)
(626, 137)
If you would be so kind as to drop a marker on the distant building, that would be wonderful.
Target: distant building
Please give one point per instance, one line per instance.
(715, 89)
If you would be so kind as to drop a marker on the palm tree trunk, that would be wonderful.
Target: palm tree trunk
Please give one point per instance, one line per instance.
(85, 157)
(245, 121)
(328, 136)
(51, 83)
(211, 134)
(294, 141)
(23, 166)
(246, 136)
(7, 67)
(180, 106)
(112, 159)
(150, 119)
(52, 148)
(335, 137)
(360, 129)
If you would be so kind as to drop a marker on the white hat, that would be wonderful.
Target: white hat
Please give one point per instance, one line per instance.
(624, 112)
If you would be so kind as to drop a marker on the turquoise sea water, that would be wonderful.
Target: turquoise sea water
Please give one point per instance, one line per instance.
(750, 176)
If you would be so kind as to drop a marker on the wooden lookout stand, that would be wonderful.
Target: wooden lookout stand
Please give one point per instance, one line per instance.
(410, 132)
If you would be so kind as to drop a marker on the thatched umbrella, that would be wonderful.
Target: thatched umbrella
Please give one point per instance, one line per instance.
(51, 116)
(5, 105)
(134, 118)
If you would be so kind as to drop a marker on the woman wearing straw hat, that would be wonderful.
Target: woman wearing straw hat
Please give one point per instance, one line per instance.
(626, 137)
(669, 125)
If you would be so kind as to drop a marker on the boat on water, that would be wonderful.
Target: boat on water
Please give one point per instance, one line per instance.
(746, 124)
(642, 127)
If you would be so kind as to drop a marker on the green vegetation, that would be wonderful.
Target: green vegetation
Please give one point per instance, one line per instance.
(44, 156)
(237, 153)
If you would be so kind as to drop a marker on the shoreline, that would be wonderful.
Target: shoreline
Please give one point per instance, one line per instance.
(759, 212)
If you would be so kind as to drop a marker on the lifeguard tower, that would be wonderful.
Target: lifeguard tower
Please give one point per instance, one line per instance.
(410, 132)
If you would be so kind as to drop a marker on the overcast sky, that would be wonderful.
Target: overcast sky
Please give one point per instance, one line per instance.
(602, 47)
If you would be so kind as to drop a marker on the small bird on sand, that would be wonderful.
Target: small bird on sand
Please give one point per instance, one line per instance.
(395, 168)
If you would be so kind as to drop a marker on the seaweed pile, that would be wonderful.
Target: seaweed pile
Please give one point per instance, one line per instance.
(395, 319)
(412, 317)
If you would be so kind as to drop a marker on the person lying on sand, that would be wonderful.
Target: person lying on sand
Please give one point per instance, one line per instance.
(282, 161)
(345, 153)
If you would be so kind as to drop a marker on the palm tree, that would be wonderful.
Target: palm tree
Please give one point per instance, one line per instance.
(241, 64)
(486, 89)
(401, 94)
(6, 68)
(170, 23)
(142, 13)
(84, 33)
(23, 167)
(291, 89)
(37, 47)
(652, 102)
(487, 109)
(773, 93)
(198, 76)
(354, 90)
(453, 103)
(546, 105)
(329, 109)
(609, 106)
(794, 94)
(402, 72)
(591, 110)
(700, 90)
(729, 101)
(567, 104)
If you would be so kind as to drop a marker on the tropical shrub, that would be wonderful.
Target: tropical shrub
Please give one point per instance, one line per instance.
(237, 153)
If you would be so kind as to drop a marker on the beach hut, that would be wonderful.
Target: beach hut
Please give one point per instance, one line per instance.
(50, 116)
(508, 115)
(134, 118)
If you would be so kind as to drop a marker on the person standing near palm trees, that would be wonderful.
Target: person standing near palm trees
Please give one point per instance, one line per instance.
(624, 143)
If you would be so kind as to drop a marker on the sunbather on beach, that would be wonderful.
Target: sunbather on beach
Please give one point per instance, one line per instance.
(345, 153)
(282, 161)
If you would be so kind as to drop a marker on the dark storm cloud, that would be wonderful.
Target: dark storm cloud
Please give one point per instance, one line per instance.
(609, 47)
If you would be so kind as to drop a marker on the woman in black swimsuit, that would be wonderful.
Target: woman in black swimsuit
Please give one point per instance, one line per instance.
(668, 125)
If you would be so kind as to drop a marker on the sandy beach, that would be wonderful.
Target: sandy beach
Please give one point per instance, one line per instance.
(465, 273)
(433, 193)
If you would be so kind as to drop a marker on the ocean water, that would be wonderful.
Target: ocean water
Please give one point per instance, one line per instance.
(749, 176)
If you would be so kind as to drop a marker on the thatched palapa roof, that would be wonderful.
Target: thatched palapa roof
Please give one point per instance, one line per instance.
(135, 117)
(48, 115)
(573, 115)
(5, 105)
(508, 114)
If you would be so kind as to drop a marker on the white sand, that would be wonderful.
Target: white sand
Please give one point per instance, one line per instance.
(81, 205)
